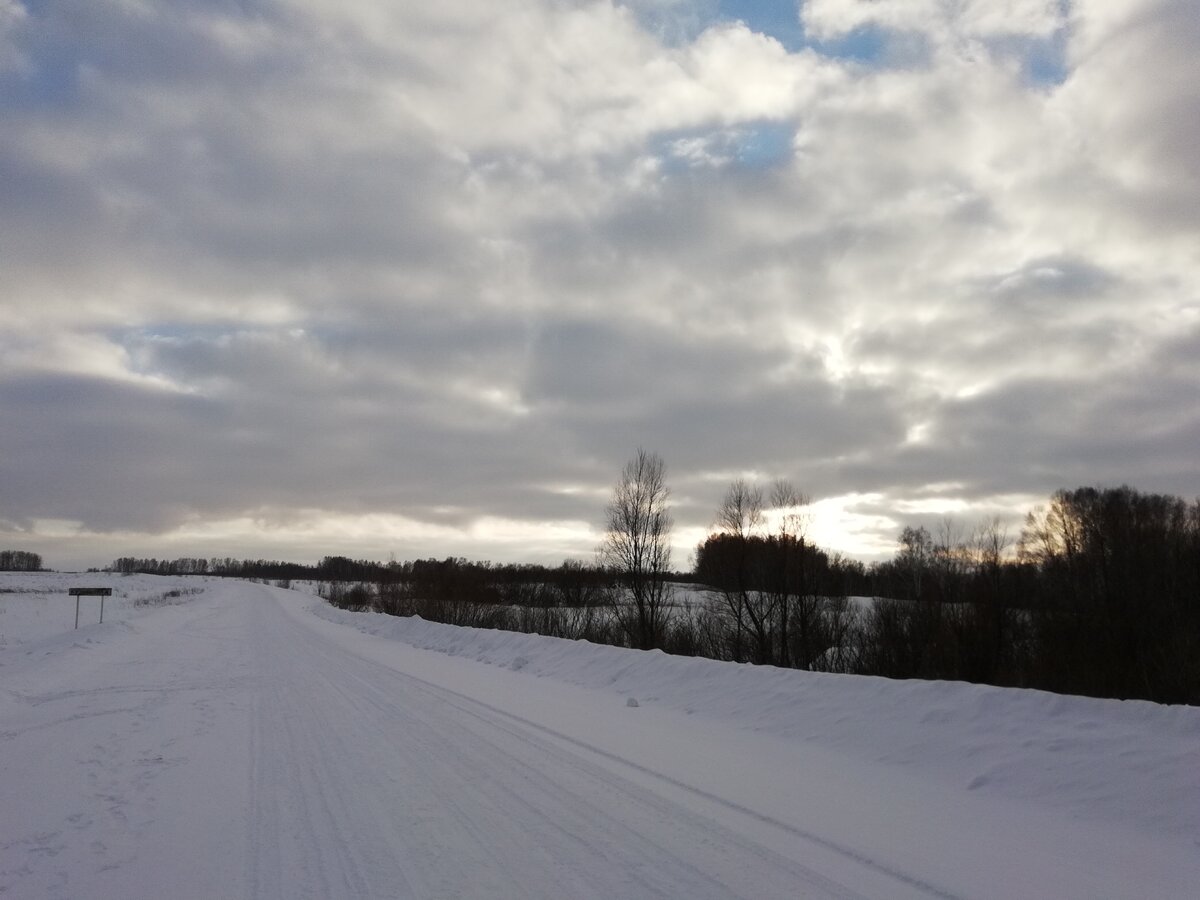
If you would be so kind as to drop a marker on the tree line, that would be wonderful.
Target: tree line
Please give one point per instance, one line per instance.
(1098, 593)
(1099, 596)
(20, 561)
(472, 581)
(330, 568)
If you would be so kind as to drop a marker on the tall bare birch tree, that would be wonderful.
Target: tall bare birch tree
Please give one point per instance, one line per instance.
(637, 547)
(797, 606)
(740, 517)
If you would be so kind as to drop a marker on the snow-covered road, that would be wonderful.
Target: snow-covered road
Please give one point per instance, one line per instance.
(239, 746)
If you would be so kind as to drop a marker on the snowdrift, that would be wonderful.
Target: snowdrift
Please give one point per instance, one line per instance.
(1129, 762)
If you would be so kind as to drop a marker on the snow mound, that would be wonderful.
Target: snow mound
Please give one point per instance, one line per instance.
(1131, 762)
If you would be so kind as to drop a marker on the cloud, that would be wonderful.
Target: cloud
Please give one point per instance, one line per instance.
(448, 265)
(12, 15)
(973, 18)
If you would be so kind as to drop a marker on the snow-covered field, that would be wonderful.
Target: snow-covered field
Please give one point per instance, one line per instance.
(35, 605)
(249, 741)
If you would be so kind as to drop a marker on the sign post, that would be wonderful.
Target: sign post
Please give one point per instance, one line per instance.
(89, 592)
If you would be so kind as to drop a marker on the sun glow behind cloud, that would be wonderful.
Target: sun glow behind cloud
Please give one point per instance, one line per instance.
(840, 524)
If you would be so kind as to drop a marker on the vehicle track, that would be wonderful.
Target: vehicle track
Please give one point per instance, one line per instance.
(527, 811)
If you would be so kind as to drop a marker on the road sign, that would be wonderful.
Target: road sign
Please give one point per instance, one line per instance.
(89, 592)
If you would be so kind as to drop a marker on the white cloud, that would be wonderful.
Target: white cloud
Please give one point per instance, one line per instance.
(939, 19)
(394, 259)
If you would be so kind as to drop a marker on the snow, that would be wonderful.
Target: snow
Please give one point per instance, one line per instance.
(35, 606)
(1021, 744)
(250, 741)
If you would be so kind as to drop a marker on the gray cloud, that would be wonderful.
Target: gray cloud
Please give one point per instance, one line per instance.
(320, 261)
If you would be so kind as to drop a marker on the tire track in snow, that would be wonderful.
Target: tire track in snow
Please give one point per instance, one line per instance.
(497, 718)
(296, 827)
(520, 728)
(543, 770)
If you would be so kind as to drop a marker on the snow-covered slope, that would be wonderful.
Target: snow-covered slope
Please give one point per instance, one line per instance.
(252, 742)
(1122, 761)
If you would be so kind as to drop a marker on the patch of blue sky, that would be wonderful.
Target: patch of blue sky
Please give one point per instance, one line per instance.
(48, 76)
(680, 153)
(1046, 63)
(867, 44)
(680, 21)
(757, 145)
(1045, 60)
(779, 19)
(46, 84)
(1041, 61)
(764, 145)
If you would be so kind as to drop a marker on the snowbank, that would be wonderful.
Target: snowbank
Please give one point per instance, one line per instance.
(1128, 762)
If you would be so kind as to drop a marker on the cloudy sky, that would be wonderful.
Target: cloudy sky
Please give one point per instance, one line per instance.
(285, 278)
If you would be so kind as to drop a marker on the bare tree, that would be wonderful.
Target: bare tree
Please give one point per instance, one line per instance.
(741, 512)
(992, 656)
(950, 560)
(915, 558)
(795, 602)
(637, 547)
(740, 516)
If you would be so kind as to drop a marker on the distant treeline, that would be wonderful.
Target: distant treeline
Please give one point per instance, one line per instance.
(1099, 594)
(20, 561)
(468, 580)
(328, 568)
